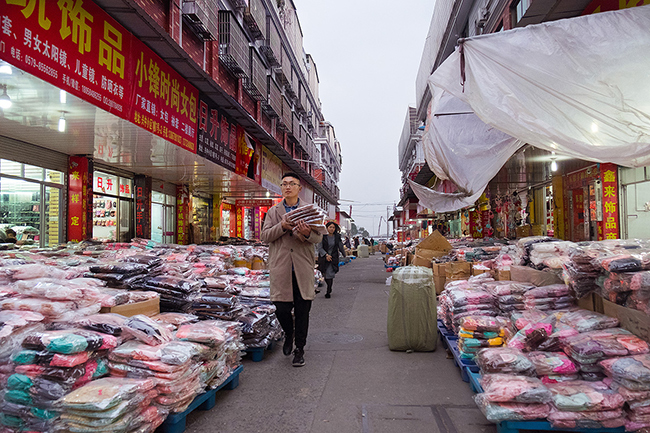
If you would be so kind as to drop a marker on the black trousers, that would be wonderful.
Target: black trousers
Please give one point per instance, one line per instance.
(300, 309)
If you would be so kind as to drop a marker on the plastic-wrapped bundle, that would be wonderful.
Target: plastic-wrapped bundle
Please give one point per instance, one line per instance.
(532, 335)
(521, 319)
(633, 372)
(174, 320)
(587, 420)
(552, 291)
(580, 396)
(119, 268)
(591, 347)
(108, 323)
(557, 378)
(585, 320)
(52, 310)
(505, 388)
(560, 303)
(552, 363)
(210, 332)
(620, 263)
(171, 353)
(550, 253)
(147, 330)
(34, 270)
(69, 341)
(461, 298)
(215, 305)
(504, 360)
(496, 412)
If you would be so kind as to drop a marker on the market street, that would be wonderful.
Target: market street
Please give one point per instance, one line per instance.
(351, 382)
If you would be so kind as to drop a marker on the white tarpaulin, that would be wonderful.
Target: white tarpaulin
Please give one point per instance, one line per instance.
(579, 86)
(460, 147)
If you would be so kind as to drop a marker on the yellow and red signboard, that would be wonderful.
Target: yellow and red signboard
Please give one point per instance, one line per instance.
(182, 214)
(76, 46)
(610, 223)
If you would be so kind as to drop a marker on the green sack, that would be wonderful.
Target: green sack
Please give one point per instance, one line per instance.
(412, 310)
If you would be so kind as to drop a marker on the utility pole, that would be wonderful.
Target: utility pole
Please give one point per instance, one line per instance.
(387, 233)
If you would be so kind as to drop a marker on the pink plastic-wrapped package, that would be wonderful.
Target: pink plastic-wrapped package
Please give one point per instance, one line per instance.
(212, 332)
(517, 389)
(496, 412)
(580, 395)
(552, 363)
(31, 271)
(585, 320)
(504, 360)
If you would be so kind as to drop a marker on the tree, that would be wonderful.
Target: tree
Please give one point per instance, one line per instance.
(363, 232)
(353, 230)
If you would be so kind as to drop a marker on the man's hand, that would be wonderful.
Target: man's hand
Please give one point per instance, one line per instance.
(328, 258)
(303, 228)
(286, 225)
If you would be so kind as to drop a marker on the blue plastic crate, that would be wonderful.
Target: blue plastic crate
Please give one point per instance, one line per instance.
(543, 425)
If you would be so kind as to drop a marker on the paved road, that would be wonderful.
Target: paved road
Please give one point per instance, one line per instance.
(352, 382)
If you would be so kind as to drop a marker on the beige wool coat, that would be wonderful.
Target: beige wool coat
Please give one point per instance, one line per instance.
(285, 249)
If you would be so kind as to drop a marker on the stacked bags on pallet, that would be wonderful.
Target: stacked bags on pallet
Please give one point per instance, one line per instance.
(465, 298)
(477, 332)
(509, 294)
(14, 326)
(115, 405)
(50, 365)
(550, 254)
(630, 376)
(553, 297)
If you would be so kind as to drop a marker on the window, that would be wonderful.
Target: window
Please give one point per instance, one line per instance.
(519, 9)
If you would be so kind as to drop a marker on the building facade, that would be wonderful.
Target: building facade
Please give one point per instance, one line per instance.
(156, 119)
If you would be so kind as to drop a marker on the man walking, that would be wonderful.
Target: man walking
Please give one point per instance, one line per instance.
(291, 265)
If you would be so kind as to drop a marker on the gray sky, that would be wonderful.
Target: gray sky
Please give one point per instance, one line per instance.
(367, 53)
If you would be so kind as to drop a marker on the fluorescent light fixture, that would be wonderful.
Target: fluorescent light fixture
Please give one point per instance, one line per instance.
(62, 123)
(553, 166)
(63, 96)
(268, 194)
(6, 69)
(5, 100)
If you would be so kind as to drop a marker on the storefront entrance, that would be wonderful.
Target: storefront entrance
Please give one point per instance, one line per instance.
(31, 202)
(112, 207)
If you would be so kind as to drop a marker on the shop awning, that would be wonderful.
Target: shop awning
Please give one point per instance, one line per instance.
(577, 86)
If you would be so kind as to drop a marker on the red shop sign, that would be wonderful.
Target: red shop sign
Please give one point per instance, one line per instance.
(72, 44)
(609, 180)
(77, 198)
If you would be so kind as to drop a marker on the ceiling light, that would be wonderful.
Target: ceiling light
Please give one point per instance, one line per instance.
(62, 96)
(5, 100)
(62, 122)
(6, 69)
(553, 166)
(268, 194)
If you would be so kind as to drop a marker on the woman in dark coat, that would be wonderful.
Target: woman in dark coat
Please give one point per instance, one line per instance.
(328, 254)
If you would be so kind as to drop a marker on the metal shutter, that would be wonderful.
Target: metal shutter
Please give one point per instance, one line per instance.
(27, 153)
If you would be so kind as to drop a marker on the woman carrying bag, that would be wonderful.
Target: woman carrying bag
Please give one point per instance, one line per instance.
(328, 254)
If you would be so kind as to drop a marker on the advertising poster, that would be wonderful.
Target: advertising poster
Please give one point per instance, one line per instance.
(271, 171)
(78, 193)
(182, 214)
(609, 180)
(213, 136)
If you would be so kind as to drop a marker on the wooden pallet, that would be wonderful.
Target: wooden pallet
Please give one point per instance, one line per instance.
(257, 353)
(175, 423)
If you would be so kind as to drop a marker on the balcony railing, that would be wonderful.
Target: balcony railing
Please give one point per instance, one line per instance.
(272, 106)
(202, 17)
(272, 47)
(255, 83)
(286, 115)
(255, 18)
(295, 126)
(233, 45)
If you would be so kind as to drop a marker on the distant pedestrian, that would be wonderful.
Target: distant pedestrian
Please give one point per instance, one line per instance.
(328, 255)
(356, 241)
(347, 242)
(291, 268)
(372, 242)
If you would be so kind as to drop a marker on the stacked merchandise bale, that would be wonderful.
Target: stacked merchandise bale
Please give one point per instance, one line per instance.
(521, 319)
(512, 397)
(464, 298)
(630, 377)
(477, 332)
(551, 255)
(14, 326)
(176, 292)
(553, 367)
(543, 332)
(509, 294)
(310, 214)
(589, 348)
(525, 246)
(50, 365)
(223, 339)
(579, 272)
(582, 404)
(553, 297)
(115, 405)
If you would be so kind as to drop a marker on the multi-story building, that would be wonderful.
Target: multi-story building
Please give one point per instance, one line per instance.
(182, 115)
(533, 193)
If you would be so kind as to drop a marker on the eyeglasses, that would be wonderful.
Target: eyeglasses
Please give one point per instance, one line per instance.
(289, 185)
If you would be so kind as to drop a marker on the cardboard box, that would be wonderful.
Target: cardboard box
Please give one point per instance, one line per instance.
(635, 321)
(587, 303)
(439, 276)
(458, 270)
(435, 242)
(503, 275)
(257, 264)
(523, 231)
(421, 261)
(479, 271)
(148, 308)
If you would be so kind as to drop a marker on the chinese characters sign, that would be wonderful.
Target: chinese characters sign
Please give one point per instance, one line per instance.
(78, 47)
(183, 214)
(78, 220)
(163, 102)
(72, 44)
(142, 206)
(609, 180)
(254, 202)
(213, 139)
(476, 228)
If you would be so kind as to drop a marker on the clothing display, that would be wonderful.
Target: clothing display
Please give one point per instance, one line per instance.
(504, 360)
(516, 389)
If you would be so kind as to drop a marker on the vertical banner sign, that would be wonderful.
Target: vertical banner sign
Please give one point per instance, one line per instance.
(240, 221)
(163, 102)
(244, 152)
(142, 206)
(77, 198)
(476, 229)
(72, 44)
(609, 180)
(213, 130)
(182, 214)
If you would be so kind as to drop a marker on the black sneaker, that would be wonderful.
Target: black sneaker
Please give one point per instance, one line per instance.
(298, 358)
(327, 295)
(287, 347)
